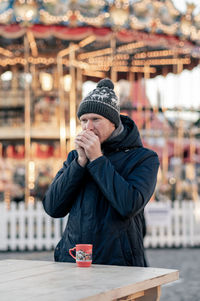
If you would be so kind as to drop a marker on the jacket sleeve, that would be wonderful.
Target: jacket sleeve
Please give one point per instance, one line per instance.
(62, 191)
(128, 196)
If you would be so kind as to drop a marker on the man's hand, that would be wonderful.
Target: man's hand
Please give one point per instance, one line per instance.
(82, 158)
(88, 141)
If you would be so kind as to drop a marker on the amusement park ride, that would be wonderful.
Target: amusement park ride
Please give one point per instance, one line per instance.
(48, 49)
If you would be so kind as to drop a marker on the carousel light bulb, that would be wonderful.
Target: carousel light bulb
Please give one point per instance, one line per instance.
(119, 16)
(67, 80)
(31, 200)
(62, 132)
(6, 76)
(25, 11)
(46, 81)
(31, 185)
(72, 127)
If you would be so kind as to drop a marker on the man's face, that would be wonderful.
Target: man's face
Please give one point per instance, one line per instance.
(98, 124)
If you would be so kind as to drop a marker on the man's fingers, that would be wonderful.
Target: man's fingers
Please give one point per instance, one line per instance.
(90, 137)
(86, 142)
(87, 138)
(87, 134)
(80, 144)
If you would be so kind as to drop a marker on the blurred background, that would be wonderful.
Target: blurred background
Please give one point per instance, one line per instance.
(52, 53)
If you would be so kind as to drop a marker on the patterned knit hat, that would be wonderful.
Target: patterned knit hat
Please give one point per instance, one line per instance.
(102, 101)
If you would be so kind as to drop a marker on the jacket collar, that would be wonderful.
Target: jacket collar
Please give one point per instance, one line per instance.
(129, 138)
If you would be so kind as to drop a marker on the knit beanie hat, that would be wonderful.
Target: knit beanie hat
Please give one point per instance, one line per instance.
(102, 101)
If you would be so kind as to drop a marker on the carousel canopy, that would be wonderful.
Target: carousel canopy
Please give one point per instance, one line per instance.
(147, 37)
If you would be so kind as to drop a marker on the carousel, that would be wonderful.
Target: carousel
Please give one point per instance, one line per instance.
(50, 51)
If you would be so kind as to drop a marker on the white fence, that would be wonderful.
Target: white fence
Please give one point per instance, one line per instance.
(168, 224)
(174, 224)
(28, 228)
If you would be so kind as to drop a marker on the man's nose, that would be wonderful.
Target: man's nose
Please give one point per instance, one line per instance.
(89, 125)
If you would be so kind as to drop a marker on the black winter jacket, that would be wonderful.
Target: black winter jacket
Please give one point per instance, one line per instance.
(105, 200)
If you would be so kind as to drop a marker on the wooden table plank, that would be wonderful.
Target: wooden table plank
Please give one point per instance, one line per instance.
(7, 266)
(39, 280)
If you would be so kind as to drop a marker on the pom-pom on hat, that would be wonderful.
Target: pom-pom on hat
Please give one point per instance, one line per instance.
(102, 101)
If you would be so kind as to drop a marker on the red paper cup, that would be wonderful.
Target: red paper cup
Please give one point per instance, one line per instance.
(83, 255)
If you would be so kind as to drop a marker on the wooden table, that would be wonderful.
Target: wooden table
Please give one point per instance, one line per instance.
(26, 280)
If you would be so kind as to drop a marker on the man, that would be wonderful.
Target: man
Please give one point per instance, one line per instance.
(105, 184)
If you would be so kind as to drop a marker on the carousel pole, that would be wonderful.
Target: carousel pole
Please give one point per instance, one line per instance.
(181, 129)
(35, 81)
(27, 121)
(180, 139)
(139, 103)
(113, 47)
(177, 70)
(61, 109)
(14, 84)
(72, 99)
(7, 197)
(179, 144)
(165, 158)
(192, 146)
(165, 152)
(79, 89)
(131, 78)
(147, 112)
(192, 166)
(1, 150)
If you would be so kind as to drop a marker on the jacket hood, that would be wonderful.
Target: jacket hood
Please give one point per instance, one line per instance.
(128, 139)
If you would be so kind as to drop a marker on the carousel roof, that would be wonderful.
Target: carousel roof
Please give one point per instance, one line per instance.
(147, 36)
(158, 16)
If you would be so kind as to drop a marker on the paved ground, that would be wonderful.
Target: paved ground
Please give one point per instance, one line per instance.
(187, 288)
(187, 261)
